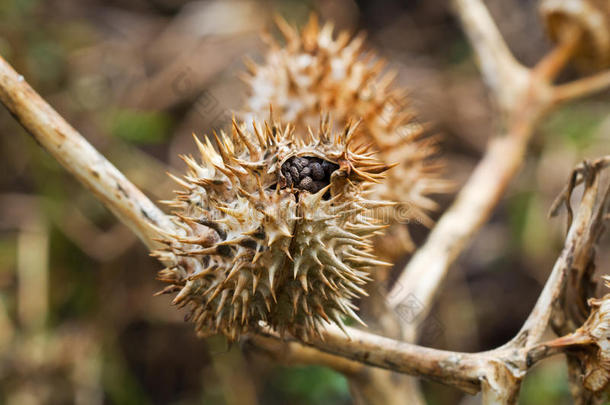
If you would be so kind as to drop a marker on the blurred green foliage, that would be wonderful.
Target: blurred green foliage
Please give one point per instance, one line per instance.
(310, 385)
(139, 126)
(577, 123)
(517, 211)
(546, 384)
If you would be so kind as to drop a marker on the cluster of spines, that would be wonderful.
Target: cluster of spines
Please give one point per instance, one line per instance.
(313, 70)
(247, 247)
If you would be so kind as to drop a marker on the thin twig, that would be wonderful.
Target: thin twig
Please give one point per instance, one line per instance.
(552, 64)
(427, 268)
(582, 87)
(578, 172)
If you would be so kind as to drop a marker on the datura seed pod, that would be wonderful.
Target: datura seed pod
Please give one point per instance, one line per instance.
(591, 18)
(292, 223)
(314, 71)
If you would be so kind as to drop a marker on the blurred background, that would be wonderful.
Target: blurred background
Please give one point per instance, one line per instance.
(78, 320)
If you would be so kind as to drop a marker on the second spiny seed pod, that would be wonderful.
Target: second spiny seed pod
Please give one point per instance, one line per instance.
(316, 70)
(291, 225)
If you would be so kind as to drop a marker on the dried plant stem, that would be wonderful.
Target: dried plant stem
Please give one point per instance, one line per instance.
(508, 81)
(33, 274)
(578, 249)
(582, 87)
(461, 370)
(77, 156)
(370, 385)
(551, 65)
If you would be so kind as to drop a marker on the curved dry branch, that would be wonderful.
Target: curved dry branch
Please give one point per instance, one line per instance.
(427, 268)
(579, 248)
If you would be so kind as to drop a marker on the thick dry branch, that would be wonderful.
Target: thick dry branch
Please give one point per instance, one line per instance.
(77, 156)
(461, 370)
(526, 99)
(374, 385)
(295, 353)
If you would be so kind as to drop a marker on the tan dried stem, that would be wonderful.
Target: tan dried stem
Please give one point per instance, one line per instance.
(552, 64)
(369, 385)
(579, 249)
(582, 87)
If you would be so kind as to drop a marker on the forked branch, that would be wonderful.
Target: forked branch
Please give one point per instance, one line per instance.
(525, 95)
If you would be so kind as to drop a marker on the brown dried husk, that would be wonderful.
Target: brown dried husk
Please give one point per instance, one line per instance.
(278, 255)
(591, 343)
(592, 18)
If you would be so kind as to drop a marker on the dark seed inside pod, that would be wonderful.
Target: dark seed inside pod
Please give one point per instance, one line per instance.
(329, 167)
(296, 162)
(288, 179)
(306, 184)
(249, 243)
(294, 172)
(223, 250)
(307, 173)
(316, 171)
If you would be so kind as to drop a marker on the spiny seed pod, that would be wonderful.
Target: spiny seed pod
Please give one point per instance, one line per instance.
(593, 337)
(591, 18)
(315, 71)
(292, 226)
